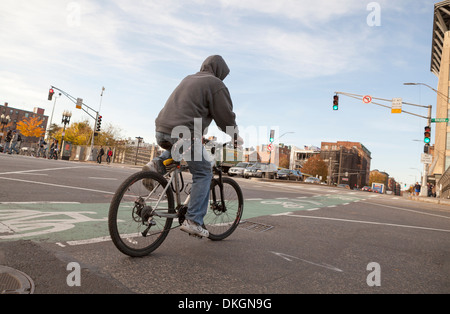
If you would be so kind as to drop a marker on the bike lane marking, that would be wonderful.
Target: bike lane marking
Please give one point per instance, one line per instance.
(72, 223)
(52, 222)
(262, 207)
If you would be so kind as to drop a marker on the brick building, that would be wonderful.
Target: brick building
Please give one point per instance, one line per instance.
(348, 163)
(16, 115)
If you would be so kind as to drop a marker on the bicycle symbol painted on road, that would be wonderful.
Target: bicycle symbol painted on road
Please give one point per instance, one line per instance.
(24, 223)
(313, 202)
(291, 203)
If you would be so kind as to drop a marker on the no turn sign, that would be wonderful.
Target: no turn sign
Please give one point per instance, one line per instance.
(367, 99)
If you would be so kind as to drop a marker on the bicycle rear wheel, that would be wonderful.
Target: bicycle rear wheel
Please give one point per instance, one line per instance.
(133, 228)
(222, 218)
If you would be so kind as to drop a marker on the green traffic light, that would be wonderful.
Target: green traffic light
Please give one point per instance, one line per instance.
(427, 140)
(335, 102)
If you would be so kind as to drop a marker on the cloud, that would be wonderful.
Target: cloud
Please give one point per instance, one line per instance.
(285, 36)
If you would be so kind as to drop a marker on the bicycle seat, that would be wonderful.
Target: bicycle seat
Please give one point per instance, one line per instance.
(168, 162)
(171, 164)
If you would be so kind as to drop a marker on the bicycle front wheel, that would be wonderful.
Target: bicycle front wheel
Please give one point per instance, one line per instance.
(134, 228)
(223, 217)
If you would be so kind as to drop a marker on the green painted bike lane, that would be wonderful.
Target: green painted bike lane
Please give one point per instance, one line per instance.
(66, 222)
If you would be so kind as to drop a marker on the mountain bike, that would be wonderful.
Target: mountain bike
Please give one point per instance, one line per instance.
(139, 220)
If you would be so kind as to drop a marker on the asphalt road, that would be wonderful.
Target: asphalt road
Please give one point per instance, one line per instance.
(296, 239)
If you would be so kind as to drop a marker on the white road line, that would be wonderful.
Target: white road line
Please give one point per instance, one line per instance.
(37, 203)
(89, 241)
(39, 170)
(369, 222)
(59, 186)
(409, 210)
(98, 178)
(289, 258)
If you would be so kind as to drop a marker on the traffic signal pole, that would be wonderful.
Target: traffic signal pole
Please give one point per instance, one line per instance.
(424, 187)
(423, 190)
(79, 105)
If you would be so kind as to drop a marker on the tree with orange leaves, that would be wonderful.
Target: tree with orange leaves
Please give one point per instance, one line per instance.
(30, 127)
(315, 166)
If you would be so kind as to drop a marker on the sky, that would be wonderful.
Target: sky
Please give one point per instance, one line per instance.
(287, 59)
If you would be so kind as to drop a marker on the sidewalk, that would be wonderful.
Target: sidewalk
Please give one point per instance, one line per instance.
(434, 200)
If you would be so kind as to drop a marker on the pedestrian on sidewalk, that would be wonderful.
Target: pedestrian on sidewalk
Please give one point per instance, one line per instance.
(15, 142)
(417, 189)
(108, 155)
(100, 155)
(8, 142)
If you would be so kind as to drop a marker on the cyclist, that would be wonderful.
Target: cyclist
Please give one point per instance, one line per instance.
(199, 96)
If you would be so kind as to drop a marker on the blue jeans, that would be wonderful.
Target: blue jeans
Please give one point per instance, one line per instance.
(6, 148)
(13, 148)
(201, 170)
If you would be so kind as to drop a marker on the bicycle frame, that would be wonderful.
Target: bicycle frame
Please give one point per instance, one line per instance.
(173, 179)
(176, 169)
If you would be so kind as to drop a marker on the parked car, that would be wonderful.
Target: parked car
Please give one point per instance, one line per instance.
(238, 170)
(261, 170)
(289, 174)
(312, 180)
(345, 186)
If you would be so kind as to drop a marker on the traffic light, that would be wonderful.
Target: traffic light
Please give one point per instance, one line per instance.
(272, 136)
(426, 149)
(335, 102)
(99, 123)
(427, 135)
(50, 94)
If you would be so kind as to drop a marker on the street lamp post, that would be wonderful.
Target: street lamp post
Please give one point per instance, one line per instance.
(4, 121)
(65, 120)
(137, 148)
(270, 152)
(435, 90)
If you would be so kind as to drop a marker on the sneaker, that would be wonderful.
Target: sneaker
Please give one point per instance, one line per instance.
(149, 183)
(194, 229)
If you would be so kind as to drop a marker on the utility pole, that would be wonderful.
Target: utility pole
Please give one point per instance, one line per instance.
(340, 164)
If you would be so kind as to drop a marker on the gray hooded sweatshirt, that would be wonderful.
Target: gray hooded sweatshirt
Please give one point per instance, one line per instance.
(200, 96)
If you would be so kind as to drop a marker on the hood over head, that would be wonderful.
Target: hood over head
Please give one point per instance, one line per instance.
(215, 65)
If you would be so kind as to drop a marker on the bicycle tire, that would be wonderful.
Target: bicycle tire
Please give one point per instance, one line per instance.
(221, 224)
(126, 223)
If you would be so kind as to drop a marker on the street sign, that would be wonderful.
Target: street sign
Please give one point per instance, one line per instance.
(426, 158)
(367, 99)
(437, 120)
(270, 147)
(396, 105)
(79, 103)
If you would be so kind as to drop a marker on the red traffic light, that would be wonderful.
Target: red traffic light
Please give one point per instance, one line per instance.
(50, 94)
(99, 123)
